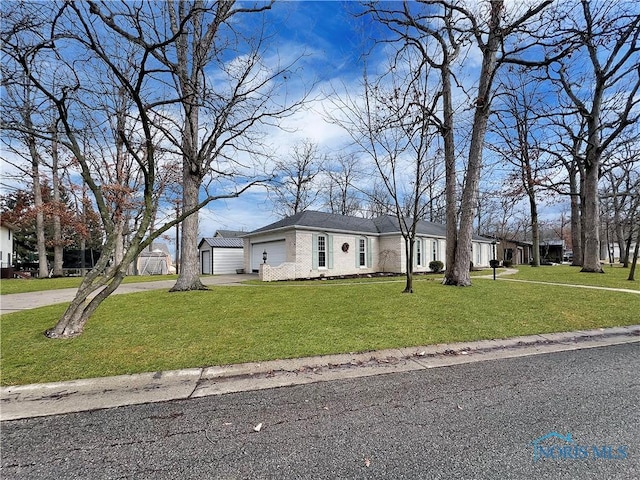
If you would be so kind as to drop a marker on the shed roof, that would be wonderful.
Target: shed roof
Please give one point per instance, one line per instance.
(220, 242)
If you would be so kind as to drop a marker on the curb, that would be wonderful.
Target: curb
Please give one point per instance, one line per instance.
(36, 400)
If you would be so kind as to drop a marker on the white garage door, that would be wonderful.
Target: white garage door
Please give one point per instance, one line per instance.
(276, 253)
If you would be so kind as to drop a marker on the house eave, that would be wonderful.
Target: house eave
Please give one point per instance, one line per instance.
(312, 229)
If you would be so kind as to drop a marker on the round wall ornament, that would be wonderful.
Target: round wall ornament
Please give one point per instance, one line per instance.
(345, 247)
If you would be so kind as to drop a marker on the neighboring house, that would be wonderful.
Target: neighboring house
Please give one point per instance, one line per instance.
(552, 251)
(222, 253)
(316, 244)
(521, 252)
(515, 251)
(6, 249)
(155, 261)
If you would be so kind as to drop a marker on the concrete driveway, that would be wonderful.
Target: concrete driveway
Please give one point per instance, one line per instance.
(26, 301)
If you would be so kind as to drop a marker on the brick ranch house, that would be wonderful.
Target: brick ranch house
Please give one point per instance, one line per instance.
(317, 244)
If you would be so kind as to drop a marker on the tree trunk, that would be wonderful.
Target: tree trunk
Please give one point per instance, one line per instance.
(408, 248)
(576, 222)
(43, 268)
(58, 247)
(608, 246)
(535, 232)
(591, 215)
(460, 272)
(119, 249)
(75, 317)
(621, 243)
(634, 263)
(627, 250)
(450, 177)
(189, 278)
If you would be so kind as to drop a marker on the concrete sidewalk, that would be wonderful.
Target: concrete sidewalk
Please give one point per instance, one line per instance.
(25, 301)
(27, 401)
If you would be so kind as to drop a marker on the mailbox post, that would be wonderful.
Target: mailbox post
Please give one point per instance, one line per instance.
(494, 262)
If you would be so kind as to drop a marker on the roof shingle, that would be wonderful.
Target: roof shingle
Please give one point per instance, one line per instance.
(385, 224)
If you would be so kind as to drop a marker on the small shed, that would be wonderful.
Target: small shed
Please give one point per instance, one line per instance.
(220, 255)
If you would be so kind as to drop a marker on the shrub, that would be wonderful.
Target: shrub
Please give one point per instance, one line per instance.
(436, 266)
(507, 263)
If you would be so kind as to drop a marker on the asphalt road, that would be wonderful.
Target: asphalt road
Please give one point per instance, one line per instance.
(471, 421)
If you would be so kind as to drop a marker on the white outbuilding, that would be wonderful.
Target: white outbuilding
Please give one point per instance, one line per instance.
(220, 255)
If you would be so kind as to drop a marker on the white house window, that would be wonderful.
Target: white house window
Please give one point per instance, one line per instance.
(322, 251)
(418, 252)
(362, 252)
(478, 254)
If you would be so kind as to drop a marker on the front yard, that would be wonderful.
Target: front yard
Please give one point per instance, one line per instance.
(158, 330)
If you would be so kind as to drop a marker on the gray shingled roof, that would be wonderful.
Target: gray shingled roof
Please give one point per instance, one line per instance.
(322, 220)
(219, 242)
(386, 224)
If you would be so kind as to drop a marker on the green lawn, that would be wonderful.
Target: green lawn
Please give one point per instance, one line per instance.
(614, 276)
(21, 285)
(158, 330)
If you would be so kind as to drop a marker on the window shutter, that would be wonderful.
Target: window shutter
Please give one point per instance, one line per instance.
(314, 251)
(329, 251)
(356, 250)
(369, 254)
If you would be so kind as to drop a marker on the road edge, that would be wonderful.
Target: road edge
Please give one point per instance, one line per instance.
(36, 400)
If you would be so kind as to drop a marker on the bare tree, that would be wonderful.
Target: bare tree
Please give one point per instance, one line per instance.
(294, 189)
(566, 132)
(225, 90)
(79, 50)
(517, 139)
(619, 198)
(378, 201)
(19, 108)
(609, 38)
(502, 37)
(392, 124)
(341, 191)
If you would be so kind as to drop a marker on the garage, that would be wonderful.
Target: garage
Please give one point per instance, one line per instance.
(221, 255)
(276, 253)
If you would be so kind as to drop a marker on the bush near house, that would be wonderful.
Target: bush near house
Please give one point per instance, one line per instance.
(436, 266)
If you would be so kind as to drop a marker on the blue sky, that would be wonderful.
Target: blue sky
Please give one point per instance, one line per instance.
(331, 40)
